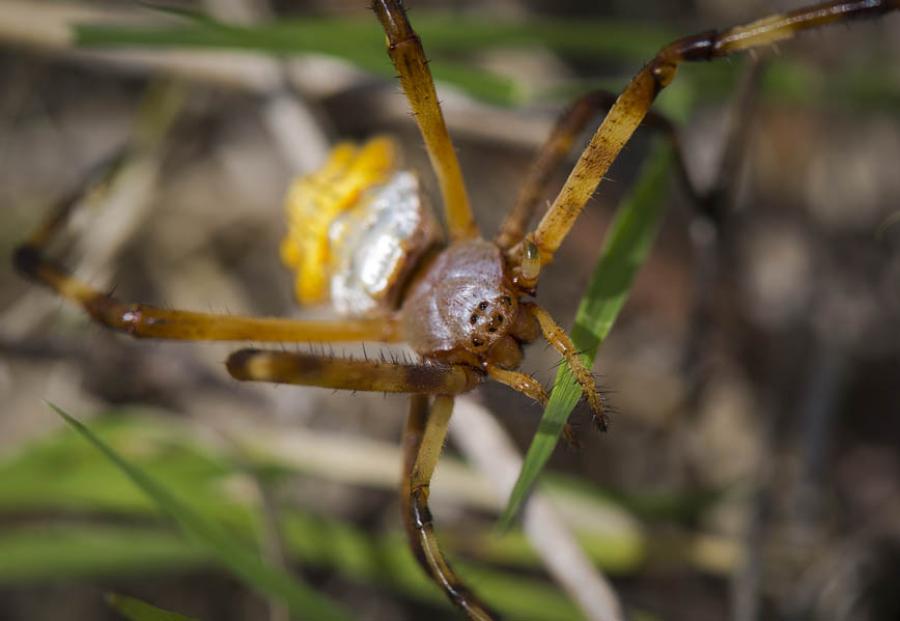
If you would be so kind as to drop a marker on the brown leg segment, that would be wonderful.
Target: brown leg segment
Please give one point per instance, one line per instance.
(145, 321)
(530, 387)
(561, 342)
(348, 374)
(571, 123)
(405, 50)
(423, 439)
(520, 382)
(96, 182)
(635, 101)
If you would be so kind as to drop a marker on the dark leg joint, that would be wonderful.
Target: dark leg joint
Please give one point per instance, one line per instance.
(694, 48)
(26, 259)
(132, 319)
(663, 72)
(237, 363)
(418, 509)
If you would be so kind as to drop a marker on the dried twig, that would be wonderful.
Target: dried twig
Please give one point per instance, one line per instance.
(490, 449)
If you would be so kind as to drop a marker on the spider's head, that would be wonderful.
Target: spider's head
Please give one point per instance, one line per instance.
(465, 308)
(489, 328)
(506, 351)
(490, 319)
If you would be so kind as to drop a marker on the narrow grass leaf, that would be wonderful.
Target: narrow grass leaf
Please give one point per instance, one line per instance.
(136, 610)
(442, 33)
(62, 476)
(358, 42)
(63, 550)
(239, 559)
(447, 37)
(625, 250)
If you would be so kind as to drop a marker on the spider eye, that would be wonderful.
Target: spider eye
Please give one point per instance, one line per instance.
(477, 342)
(482, 306)
(473, 319)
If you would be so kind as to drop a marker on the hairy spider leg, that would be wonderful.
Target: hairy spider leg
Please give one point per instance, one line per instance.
(520, 382)
(351, 374)
(96, 182)
(145, 321)
(531, 388)
(376, 375)
(717, 199)
(561, 342)
(635, 101)
(423, 439)
(405, 51)
(568, 127)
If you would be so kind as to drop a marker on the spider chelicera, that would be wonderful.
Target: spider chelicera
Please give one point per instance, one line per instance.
(361, 237)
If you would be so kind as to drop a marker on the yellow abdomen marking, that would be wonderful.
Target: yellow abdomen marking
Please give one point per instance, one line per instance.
(315, 200)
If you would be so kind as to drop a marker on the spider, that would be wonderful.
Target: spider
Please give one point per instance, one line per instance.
(361, 236)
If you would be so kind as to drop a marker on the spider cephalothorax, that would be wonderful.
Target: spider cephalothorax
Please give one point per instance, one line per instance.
(361, 235)
(470, 307)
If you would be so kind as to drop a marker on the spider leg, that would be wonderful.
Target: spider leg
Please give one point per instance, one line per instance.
(520, 382)
(531, 388)
(561, 342)
(718, 198)
(568, 127)
(405, 50)
(423, 439)
(142, 320)
(635, 101)
(348, 374)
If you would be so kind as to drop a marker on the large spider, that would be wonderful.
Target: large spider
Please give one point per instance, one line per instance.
(361, 237)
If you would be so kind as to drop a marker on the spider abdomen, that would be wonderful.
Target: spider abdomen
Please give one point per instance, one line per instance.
(356, 228)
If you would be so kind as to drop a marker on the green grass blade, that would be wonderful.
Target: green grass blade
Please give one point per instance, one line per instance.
(71, 550)
(60, 478)
(136, 610)
(360, 42)
(51, 551)
(242, 561)
(447, 37)
(625, 250)
(443, 33)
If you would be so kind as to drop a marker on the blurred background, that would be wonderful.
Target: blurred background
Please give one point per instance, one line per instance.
(752, 469)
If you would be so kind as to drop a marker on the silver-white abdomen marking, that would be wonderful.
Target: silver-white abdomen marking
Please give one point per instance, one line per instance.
(377, 242)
